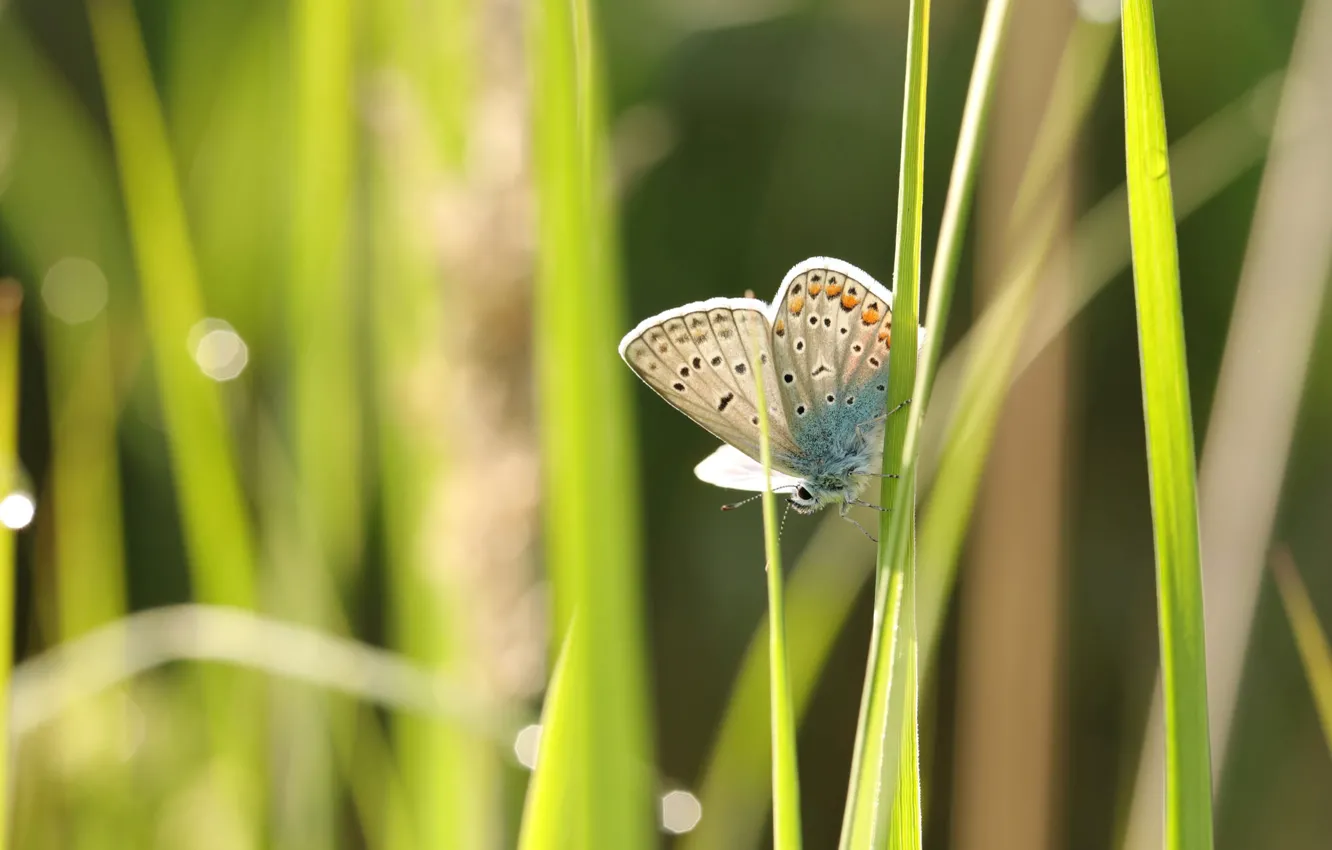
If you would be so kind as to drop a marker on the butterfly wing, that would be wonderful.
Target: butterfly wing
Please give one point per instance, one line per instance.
(700, 359)
(832, 328)
(731, 468)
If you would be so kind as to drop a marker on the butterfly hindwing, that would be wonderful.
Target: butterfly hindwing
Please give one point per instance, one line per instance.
(700, 359)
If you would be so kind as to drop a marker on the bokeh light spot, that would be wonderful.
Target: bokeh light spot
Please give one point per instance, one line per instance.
(526, 744)
(680, 812)
(17, 510)
(74, 290)
(218, 349)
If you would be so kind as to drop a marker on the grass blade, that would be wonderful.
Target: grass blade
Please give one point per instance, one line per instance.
(1170, 450)
(997, 337)
(546, 822)
(874, 768)
(1310, 640)
(785, 775)
(1269, 350)
(321, 309)
(591, 522)
(216, 526)
(906, 826)
(11, 299)
(217, 530)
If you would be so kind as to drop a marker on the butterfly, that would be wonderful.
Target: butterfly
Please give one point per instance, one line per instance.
(822, 349)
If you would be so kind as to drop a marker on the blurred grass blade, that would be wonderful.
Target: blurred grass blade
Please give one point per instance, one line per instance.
(212, 508)
(785, 775)
(1170, 451)
(957, 206)
(1310, 639)
(546, 823)
(216, 525)
(320, 307)
(988, 367)
(591, 520)
(889, 696)
(11, 299)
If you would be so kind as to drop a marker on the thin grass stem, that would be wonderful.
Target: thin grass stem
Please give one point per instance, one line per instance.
(785, 774)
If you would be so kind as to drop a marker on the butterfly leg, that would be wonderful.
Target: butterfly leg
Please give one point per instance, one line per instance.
(878, 508)
(846, 516)
(879, 420)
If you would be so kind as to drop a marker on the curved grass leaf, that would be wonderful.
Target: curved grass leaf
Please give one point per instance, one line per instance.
(1315, 654)
(1170, 450)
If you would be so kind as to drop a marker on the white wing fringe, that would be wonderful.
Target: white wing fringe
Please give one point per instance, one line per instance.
(733, 469)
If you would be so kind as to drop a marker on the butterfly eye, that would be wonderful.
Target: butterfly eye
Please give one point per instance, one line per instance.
(803, 494)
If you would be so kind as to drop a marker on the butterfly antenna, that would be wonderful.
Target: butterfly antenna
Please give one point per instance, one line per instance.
(782, 525)
(735, 505)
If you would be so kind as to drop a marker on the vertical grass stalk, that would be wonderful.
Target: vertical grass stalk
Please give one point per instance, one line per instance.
(874, 769)
(217, 530)
(591, 519)
(11, 299)
(320, 302)
(785, 774)
(1170, 449)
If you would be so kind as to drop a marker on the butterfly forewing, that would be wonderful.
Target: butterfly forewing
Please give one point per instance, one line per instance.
(700, 359)
(831, 329)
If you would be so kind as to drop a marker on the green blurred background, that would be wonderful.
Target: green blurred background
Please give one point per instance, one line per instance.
(351, 442)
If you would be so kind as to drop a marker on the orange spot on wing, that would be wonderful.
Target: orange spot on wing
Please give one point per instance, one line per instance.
(886, 336)
(780, 327)
(815, 288)
(833, 289)
(870, 316)
(849, 301)
(797, 304)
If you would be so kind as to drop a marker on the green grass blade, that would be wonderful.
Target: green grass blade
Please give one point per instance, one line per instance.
(957, 205)
(988, 368)
(785, 775)
(11, 299)
(320, 308)
(591, 520)
(1310, 639)
(1170, 451)
(212, 507)
(546, 823)
(214, 516)
(906, 822)
(874, 769)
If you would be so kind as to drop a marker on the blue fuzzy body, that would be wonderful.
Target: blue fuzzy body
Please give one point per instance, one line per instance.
(840, 443)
